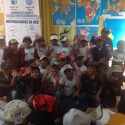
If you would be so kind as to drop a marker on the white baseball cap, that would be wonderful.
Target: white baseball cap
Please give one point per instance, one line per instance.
(67, 66)
(54, 37)
(14, 107)
(63, 38)
(117, 68)
(76, 117)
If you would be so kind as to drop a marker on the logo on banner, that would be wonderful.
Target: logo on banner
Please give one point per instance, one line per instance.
(29, 2)
(13, 2)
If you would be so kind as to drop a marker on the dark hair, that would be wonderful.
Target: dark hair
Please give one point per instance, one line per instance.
(35, 68)
(27, 38)
(65, 105)
(40, 118)
(105, 30)
(121, 106)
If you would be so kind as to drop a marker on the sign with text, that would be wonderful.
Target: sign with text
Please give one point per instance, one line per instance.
(22, 18)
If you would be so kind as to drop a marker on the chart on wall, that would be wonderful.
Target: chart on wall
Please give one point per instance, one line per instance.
(117, 31)
(2, 24)
(113, 7)
(88, 12)
(86, 31)
(63, 12)
(22, 18)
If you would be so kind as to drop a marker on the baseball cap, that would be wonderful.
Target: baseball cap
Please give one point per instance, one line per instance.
(56, 64)
(63, 38)
(2, 36)
(117, 119)
(5, 65)
(13, 41)
(67, 66)
(99, 38)
(14, 108)
(61, 56)
(76, 117)
(92, 63)
(43, 57)
(54, 37)
(117, 68)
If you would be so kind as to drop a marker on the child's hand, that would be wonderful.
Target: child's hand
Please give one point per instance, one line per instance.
(94, 34)
(49, 69)
(14, 73)
(28, 70)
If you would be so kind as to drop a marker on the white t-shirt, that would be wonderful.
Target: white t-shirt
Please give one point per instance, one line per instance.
(42, 71)
(52, 79)
(64, 50)
(117, 56)
(42, 51)
(69, 86)
(29, 53)
(82, 68)
(83, 51)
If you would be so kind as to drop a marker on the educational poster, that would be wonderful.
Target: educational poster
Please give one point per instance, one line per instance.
(71, 31)
(22, 19)
(2, 24)
(88, 12)
(63, 12)
(86, 31)
(113, 7)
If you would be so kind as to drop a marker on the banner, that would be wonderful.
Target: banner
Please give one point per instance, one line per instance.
(2, 25)
(22, 18)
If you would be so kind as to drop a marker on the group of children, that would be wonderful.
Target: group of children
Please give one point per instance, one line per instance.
(78, 72)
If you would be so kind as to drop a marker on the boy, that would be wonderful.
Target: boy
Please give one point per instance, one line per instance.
(68, 83)
(44, 62)
(28, 53)
(91, 86)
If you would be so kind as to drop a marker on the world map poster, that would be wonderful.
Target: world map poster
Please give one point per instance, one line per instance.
(63, 12)
(88, 12)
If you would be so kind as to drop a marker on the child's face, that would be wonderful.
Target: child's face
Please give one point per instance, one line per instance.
(79, 63)
(121, 48)
(91, 70)
(35, 74)
(44, 63)
(69, 74)
(99, 43)
(27, 44)
(117, 74)
(55, 70)
(62, 62)
(14, 46)
(83, 44)
(54, 42)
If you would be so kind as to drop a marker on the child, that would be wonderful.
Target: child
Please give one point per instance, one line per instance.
(33, 83)
(65, 49)
(40, 46)
(44, 62)
(84, 49)
(91, 86)
(7, 80)
(53, 47)
(52, 77)
(28, 53)
(79, 66)
(11, 54)
(68, 83)
(119, 54)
